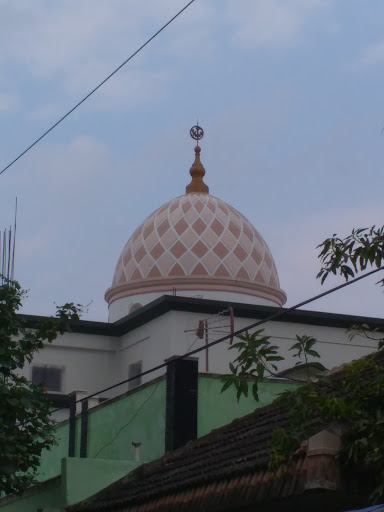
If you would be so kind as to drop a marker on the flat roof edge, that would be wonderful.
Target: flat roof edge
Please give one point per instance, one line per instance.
(167, 303)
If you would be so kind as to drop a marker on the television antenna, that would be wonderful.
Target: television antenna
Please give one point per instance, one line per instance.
(208, 329)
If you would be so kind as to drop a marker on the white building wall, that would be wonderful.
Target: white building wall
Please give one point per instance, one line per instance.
(174, 334)
(89, 362)
(333, 343)
(151, 344)
(94, 362)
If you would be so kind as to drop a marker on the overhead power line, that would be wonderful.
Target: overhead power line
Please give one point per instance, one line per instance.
(269, 318)
(96, 88)
(129, 422)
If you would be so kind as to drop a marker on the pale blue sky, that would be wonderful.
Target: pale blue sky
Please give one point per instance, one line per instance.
(289, 93)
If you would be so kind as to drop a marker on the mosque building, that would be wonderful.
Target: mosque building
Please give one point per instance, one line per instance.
(195, 263)
(195, 272)
(195, 244)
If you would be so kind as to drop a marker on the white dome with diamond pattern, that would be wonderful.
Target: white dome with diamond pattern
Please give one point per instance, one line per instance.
(196, 244)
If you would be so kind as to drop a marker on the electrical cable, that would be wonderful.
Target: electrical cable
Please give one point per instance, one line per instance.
(208, 321)
(190, 347)
(215, 319)
(96, 88)
(130, 421)
(273, 316)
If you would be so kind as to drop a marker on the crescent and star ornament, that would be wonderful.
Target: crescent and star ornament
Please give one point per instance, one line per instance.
(196, 132)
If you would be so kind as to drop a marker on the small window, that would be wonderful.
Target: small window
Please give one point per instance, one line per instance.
(134, 369)
(48, 377)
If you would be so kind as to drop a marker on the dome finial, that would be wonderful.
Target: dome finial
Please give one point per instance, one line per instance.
(197, 171)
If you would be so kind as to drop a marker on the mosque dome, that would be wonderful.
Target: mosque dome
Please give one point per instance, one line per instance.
(194, 245)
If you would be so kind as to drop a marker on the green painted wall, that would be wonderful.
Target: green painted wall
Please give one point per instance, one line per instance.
(100, 474)
(136, 416)
(216, 409)
(51, 459)
(55, 494)
(45, 496)
(140, 416)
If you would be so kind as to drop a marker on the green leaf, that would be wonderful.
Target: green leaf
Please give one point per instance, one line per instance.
(25, 425)
(227, 384)
(313, 353)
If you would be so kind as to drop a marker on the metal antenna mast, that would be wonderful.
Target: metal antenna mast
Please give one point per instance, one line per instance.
(8, 251)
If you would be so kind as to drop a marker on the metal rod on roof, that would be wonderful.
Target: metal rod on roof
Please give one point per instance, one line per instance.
(14, 242)
(3, 257)
(1, 260)
(5, 253)
(9, 252)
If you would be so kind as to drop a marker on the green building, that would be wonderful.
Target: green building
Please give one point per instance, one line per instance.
(124, 432)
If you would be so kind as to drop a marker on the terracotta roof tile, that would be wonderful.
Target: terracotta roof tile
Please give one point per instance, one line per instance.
(227, 466)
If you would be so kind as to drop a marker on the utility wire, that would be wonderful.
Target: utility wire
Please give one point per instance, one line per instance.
(130, 421)
(96, 88)
(274, 316)
(192, 344)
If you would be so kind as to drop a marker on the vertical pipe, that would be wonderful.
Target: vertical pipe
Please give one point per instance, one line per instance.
(72, 426)
(137, 445)
(84, 429)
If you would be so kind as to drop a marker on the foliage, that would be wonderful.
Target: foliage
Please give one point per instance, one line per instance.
(347, 256)
(256, 359)
(256, 353)
(357, 409)
(365, 331)
(304, 348)
(25, 426)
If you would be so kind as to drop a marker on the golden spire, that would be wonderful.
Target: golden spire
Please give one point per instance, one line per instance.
(197, 171)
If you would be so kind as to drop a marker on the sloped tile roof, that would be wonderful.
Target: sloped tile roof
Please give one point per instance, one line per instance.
(204, 465)
(229, 465)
